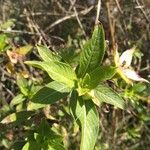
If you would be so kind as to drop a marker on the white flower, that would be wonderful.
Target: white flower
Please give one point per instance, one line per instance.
(124, 66)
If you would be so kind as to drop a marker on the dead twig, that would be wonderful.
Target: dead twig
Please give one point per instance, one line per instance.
(83, 12)
(9, 91)
(77, 16)
(111, 25)
(142, 10)
(118, 5)
(18, 32)
(98, 12)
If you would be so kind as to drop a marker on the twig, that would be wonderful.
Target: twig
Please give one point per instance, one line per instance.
(142, 10)
(35, 26)
(41, 14)
(77, 16)
(7, 90)
(111, 25)
(18, 32)
(60, 6)
(118, 5)
(83, 12)
(98, 12)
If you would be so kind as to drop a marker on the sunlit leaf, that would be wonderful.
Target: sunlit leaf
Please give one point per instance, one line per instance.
(24, 49)
(17, 99)
(23, 84)
(3, 39)
(17, 117)
(86, 115)
(92, 52)
(47, 55)
(8, 24)
(58, 71)
(102, 93)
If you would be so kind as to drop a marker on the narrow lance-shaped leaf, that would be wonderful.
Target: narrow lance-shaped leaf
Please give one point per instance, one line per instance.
(86, 115)
(102, 93)
(51, 93)
(17, 99)
(92, 52)
(58, 71)
(23, 84)
(47, 55)
(17, 117)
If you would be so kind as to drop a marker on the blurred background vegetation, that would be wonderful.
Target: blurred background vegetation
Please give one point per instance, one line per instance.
(63, 26)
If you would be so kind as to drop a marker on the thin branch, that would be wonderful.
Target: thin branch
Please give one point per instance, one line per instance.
(77, 16)
(18, 32)
(9, 91)
(142, 10)
(83, 12)
(41, 14)
(118, 5)
(98, 12)
(111, 25)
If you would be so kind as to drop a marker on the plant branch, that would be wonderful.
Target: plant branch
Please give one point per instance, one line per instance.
(98, 12)
(83, 12)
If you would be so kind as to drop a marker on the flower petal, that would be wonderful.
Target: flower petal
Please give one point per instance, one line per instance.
(123, 76)
(131, 74)
(126, 57)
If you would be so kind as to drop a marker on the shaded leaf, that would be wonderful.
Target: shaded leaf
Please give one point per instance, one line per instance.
(51, 93)
(44, 138)
(17, 117)
(102, 73)
(139, 87)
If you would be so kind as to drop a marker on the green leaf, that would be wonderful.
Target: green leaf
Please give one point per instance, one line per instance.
(47, 55)
(51, 93)
(93, 52)
(17, 117)
(17, 145)
(86, 115)
(23, 84)
(26, 146)
(102, 93)
(58, 71)
(91, 80)
(17, 99)
(24, 49)
(8, 24)
(44, 138)
(139, 87)
(3, 43)
(34, 106)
